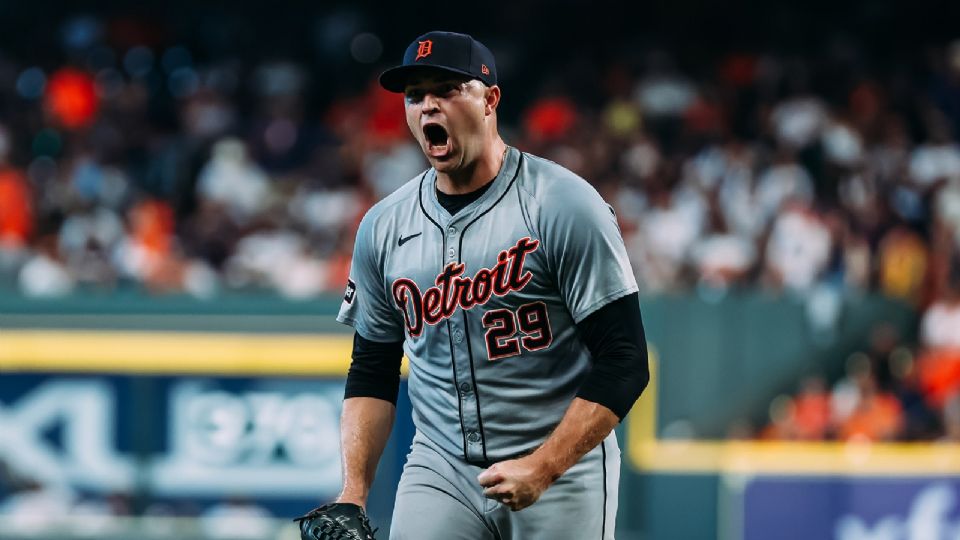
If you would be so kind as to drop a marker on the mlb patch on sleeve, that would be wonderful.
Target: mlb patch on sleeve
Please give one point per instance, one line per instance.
(351, 291)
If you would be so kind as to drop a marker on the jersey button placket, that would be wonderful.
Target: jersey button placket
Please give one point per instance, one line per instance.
(471, 422)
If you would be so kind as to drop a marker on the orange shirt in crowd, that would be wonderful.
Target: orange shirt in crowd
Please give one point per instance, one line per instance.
(939, 374)
(16, 209)
(550, 119)
(152, 225)
(811, 416)
(878, 417)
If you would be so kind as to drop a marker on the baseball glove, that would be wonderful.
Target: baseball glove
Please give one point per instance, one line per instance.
(335, 521)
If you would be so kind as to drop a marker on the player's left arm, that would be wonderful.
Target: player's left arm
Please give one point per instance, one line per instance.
(587, 255)
(615, 337)
(518, 483)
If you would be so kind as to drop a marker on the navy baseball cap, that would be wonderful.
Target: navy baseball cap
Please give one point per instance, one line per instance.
(449, 51)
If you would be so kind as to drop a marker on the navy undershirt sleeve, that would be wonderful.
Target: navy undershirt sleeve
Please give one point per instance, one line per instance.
(615, 337)
(375, 370)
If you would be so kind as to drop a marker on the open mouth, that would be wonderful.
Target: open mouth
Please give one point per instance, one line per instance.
(437, 139)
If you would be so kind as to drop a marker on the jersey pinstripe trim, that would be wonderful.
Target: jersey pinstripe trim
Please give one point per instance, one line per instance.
(603, 526)
(453, 354)
(466, 326)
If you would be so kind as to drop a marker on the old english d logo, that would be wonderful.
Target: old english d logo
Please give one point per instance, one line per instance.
(424, 50)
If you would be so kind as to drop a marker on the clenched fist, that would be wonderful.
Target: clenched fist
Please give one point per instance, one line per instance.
(517, 483)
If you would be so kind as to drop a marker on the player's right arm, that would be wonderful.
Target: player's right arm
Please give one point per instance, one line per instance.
(373, 381)
(369, 407)
(364, 429)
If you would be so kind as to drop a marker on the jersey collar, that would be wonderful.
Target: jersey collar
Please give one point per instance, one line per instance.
(504, 179)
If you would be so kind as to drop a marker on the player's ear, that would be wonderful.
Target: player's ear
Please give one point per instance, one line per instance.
(492, 98)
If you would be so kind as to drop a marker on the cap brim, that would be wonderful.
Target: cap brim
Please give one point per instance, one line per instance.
(395, 79)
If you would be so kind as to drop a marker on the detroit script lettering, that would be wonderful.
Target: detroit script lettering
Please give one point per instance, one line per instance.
(452, 290)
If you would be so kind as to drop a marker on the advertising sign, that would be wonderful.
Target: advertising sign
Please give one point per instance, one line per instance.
(851, 508)
(173, 436)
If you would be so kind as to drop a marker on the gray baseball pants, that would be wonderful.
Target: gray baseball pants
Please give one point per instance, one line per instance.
(439, 498)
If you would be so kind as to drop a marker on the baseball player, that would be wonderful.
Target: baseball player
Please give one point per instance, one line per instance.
(504, 279)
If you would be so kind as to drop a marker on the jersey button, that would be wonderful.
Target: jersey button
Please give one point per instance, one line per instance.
(458, 336)
(451, 253)
(452, 231)
(473, 437)
(464, 388)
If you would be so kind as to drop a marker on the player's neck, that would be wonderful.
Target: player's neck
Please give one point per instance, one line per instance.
(475, 175)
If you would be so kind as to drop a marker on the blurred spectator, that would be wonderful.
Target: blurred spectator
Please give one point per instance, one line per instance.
(71, 98)
(550, 120)
(622, 118)
(17, 219)
(805, 417)
(207, 114)
(231, 179)
(666, 94)
(812, 410)
(723, 259)
(782, 420)
(16, 209)
(797, 122)
(279, 259)
(939, 374)
(389, 168)
(903, 264)
(784, 181)
(842, 145)
(876, 415)
(44, 274)
(860, 409)
(940, 326)
(86, 240)
(921, 421)
(736, 195)
(668, 225)
(144, 252)
(937, 161)
(799, 247)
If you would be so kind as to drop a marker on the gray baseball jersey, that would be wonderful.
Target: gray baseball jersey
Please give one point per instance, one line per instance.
(486, 300)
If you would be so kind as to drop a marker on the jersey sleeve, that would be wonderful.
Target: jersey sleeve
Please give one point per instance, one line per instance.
(366, 305)
(584, 248)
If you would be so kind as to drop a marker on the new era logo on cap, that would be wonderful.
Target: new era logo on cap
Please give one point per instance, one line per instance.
(450, 51)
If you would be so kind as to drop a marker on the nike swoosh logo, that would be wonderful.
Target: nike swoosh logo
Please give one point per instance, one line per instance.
(401, 241)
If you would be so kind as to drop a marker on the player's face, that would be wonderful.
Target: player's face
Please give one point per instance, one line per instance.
(446, 114)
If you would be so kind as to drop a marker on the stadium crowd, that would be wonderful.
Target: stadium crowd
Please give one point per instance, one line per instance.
(825, 172)
(892, 391)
